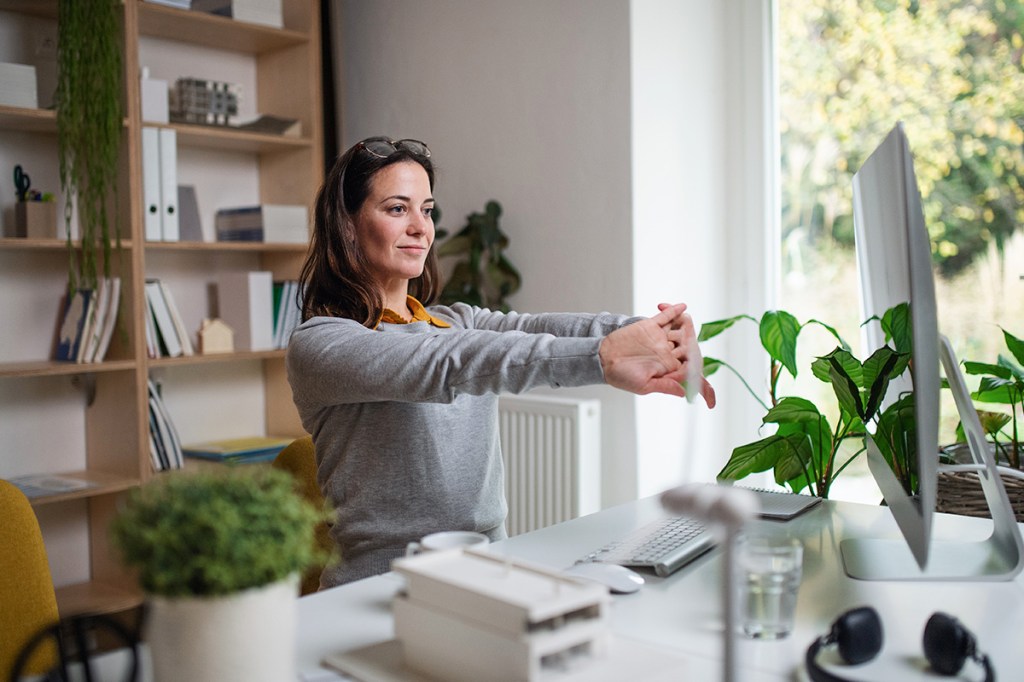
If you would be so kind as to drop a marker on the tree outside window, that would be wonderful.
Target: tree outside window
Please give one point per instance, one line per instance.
(953, 72)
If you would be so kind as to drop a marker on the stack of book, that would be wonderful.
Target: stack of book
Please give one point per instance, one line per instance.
(238, 450)
(266, 12)
(273, 223)
(164, 444)
(166, 335)
(87, 321)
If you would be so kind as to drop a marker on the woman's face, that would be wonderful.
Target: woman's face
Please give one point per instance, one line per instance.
(394, 227)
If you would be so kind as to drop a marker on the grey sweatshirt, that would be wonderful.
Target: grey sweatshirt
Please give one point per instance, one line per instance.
(404, 418)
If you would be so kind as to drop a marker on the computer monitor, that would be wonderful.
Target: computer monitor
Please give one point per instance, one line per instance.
(894, 266)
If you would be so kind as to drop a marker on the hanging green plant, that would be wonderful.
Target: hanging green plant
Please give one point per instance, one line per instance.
(89, 129)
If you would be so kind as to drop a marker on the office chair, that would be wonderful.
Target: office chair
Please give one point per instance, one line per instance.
(26, 587)
(299, 459)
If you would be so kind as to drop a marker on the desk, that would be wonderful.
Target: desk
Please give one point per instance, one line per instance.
(683, 612)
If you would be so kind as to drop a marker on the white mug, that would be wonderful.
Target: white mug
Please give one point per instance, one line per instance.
(449, 539)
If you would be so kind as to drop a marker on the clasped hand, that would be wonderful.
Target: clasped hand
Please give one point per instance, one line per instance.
(657, 355)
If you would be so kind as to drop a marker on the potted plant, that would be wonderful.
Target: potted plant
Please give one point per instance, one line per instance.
(90, 122)
(218, 554)
(482, 275)
(1001, 383)
(805, 450)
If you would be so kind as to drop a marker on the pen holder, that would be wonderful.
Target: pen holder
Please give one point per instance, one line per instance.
(36, 220)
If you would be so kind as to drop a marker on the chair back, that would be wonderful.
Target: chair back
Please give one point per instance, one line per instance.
(28, 600)
(299, 459)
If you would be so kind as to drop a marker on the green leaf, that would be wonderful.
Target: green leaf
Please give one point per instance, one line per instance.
(754, 457)
(982, 368)
(455, 246)
(992, 422)
(878, 370)
(832, 331)
(897, 325)
(794, 462)
(792, 410)
(709, 330)
(995, 390)
(1015, 346)
(779, 331)
(711, 365)
(1010, 365)
(843, 385)
(849, 366)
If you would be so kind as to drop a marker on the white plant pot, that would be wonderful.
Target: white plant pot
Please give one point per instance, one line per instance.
(247, 636)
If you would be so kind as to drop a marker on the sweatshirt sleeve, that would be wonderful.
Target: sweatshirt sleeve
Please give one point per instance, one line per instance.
(556, 324)
(333, 361)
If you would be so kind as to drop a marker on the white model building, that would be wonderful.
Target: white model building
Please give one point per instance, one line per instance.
(467, 615)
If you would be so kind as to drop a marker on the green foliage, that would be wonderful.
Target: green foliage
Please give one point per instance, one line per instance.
(951, 70)
(216, 533)
(482, 275)
(805, 449)
(1002, 383)
(89, 129)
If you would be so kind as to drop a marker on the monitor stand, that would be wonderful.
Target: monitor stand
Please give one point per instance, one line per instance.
(999, 557)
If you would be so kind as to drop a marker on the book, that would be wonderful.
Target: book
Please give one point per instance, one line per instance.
(41, 485)
(272, 125)
(245, 303)
(113, 307)
(179, 325)
(248, 449)
(71, 328)
(281, 223)
(162, 432)
(159, 310)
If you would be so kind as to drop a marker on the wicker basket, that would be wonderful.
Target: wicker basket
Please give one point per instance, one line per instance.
(960, 492)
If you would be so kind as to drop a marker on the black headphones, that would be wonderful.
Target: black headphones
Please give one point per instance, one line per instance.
(858, 634)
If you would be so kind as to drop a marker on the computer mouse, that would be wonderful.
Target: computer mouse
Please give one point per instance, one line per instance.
(618, 579)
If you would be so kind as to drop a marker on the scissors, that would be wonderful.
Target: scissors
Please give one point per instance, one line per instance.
(21, 183)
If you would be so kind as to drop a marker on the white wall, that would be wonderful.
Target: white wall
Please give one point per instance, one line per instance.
(600, 126)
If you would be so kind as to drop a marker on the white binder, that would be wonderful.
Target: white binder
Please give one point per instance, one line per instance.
(169, 227)
(151, 183)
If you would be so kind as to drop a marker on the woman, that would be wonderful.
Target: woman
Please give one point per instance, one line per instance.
(401, 396)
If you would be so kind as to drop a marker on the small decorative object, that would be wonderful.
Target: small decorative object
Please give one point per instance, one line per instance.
(482, 276)
(219, 554)
(805, 449)
(35, 214)
(195, 100)
(215, 336)
(18, 85)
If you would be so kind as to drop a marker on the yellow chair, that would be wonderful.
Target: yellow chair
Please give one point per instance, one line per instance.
(299, 459)
(26, 587)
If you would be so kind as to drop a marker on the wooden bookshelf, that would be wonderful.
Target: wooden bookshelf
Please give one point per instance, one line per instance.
(286, 66)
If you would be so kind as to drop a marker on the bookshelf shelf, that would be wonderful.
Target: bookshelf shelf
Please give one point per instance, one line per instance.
(226, 247)
(101, 483)
(213, 358)
(104, 438)
(52, 368)
(198, 28)
(28, 120)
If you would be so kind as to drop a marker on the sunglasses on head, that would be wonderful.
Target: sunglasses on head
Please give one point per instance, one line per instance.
(382, 148)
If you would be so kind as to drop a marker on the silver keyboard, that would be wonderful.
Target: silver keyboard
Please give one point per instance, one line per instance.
(668, 544)
(664, 546)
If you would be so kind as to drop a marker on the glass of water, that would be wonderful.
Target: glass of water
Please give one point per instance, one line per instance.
(768, 573)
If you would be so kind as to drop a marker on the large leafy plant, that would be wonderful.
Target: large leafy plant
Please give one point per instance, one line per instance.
(482, 275)
(1002, 383)
(806, 449)
(216, 533)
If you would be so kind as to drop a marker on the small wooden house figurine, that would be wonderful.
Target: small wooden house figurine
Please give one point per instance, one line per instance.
(215, 336)
(467, 616)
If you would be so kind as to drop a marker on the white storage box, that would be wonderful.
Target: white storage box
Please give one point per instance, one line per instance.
(18, 85)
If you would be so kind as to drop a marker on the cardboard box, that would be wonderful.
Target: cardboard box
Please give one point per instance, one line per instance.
(36, 220)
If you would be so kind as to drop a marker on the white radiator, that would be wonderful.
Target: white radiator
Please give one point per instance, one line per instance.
(552, 452)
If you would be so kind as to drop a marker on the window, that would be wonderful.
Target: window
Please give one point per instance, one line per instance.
(953, 72)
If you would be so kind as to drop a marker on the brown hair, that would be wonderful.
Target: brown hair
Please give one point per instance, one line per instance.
(335, 280)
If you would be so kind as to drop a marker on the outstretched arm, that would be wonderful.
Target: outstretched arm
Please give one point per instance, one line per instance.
(656, 355)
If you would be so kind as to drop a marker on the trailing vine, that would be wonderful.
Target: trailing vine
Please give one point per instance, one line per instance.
(89, 130)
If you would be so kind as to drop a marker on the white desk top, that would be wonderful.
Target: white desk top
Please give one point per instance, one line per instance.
(683, 612)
